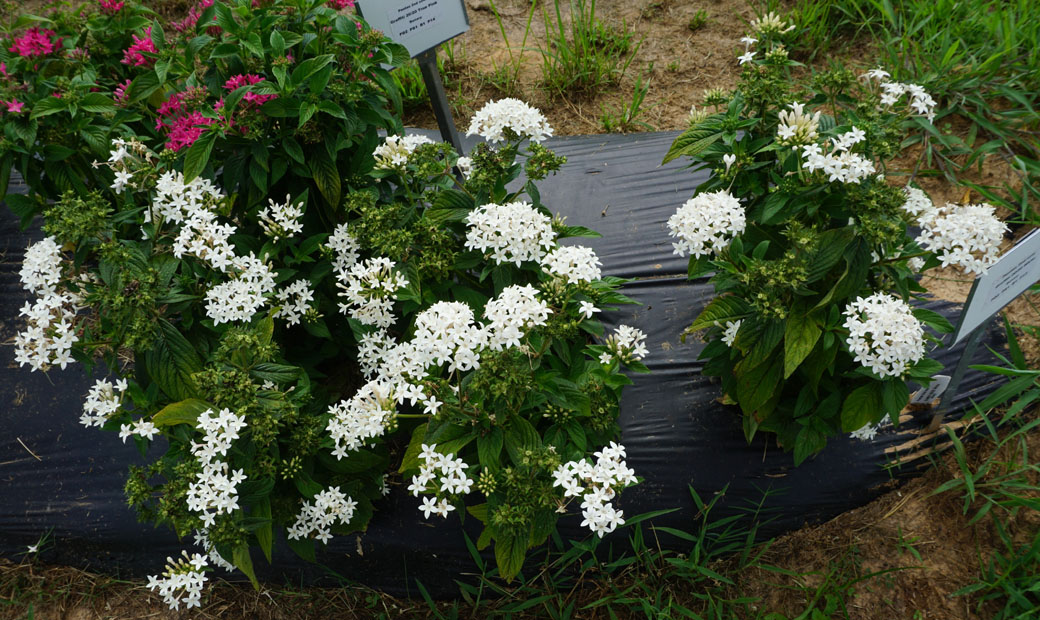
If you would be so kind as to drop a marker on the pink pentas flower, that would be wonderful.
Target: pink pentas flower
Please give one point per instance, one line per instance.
(133, 54)
(111, 6)
(15, 106)
(248, 79)
(3, 70)
(339, 5)
(34, 42)
(194, 13)
(120, 94)
(185, 130)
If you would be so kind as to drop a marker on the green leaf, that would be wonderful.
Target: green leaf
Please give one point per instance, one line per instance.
(800, 337)
(720, 310)
(326, 177)
(410, 460)
(934, 320)
(830, 246)
(489, 449)
(510, 552)
(182, 412)
(521, 435)
(895, 396)
(172, 361)
(197, 156)
(695, 139)
(756, 386)
(278, 373)
(265, 533)
(862, 406)
(244, 563)
(48, 106)
(303, 547)
(309, 67)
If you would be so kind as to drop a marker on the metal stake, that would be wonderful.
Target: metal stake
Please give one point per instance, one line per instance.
(970, 346)
(441, 108)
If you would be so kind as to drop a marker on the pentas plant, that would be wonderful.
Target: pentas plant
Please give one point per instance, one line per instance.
(809, 245)
(279, 356)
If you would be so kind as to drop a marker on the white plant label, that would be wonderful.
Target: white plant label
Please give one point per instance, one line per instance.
(933, 391)
(413, 16)
(1014, 273)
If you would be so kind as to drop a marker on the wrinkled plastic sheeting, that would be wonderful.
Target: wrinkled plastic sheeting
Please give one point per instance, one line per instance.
(64, 481)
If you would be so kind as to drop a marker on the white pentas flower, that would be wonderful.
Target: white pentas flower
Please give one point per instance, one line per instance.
(968, 236)
(182, 581)
(294, 301)
(884, 335)
(441, 475)
(344, 248)
(516, 309)
(363, 417)
(215, 559)
(866, 433)
(597, 485)
(509, 119)
(49, 331)
(771, 24)
(281, 221)
(574, 263)
(729, 334)
(919, 101)
(244, 295)
(329, 508)
(510, 233)
(465, 166)
(371, 349)
(445, 333)
(796, 127)
(215, 488)
(627, 344)
(177, 201)
(104, 399)
(918, 204)
(706, 223)
(370, 288)
(839, 163)
(395, 150)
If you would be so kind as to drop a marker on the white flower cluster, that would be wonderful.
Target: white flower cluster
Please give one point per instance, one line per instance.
(445, 333)
(626, 344)
(140, 427)
(840, 163)
(729, 334)
(920, 101)
(190, 206)
(294, 301)
(706, 223)
(597, 485)
(771, 24)
(330, 507)
(395, 150)
(344, 248)
(177, 201)
(49, 333)
(281, 221)
(364, 416)
(917, 203)
(574, 263)
(884, 335)
(966, 235)
(202, 540)
(371, 349)
(103, 399)
(866, 433)
(241, 297)
(182, 581)
(447, 473)
(214, 490)
(370, 288)
(465, 166)
(513, 311)
(509, 119)
(796, 127)
(513, 232)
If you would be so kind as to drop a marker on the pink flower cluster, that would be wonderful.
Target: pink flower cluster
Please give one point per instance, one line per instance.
(119, 94)
(181, 126)
(339, 5)
(248, 79)
(111, 6)
(14, 106)
(35, 42)
(133, 55)
(194, 13)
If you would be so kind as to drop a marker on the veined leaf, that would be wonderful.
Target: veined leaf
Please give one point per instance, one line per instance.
(182, 412)
(800, 337)
(720, 310)
(862, 406)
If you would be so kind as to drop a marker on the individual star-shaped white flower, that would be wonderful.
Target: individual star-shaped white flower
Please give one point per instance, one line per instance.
(747, 57)
(429, 505)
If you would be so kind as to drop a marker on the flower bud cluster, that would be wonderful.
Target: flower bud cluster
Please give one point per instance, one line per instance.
(884, 335)
(49, 333)
(511, 233)
(370, 287)
(626, 344)
(448, 476)
(281, 221)
(706, 223)
(968, 236)
(395, 150)
(597, 485)
(796, 127)
(214, 490)
(182, 581)
(574, 263)
(509, 119)
(770, 24)
(330, 507)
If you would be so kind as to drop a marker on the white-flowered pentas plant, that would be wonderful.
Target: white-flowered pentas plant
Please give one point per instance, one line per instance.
(268, 356)
(813, 245)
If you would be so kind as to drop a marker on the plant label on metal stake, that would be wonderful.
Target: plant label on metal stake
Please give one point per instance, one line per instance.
(421, 26)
